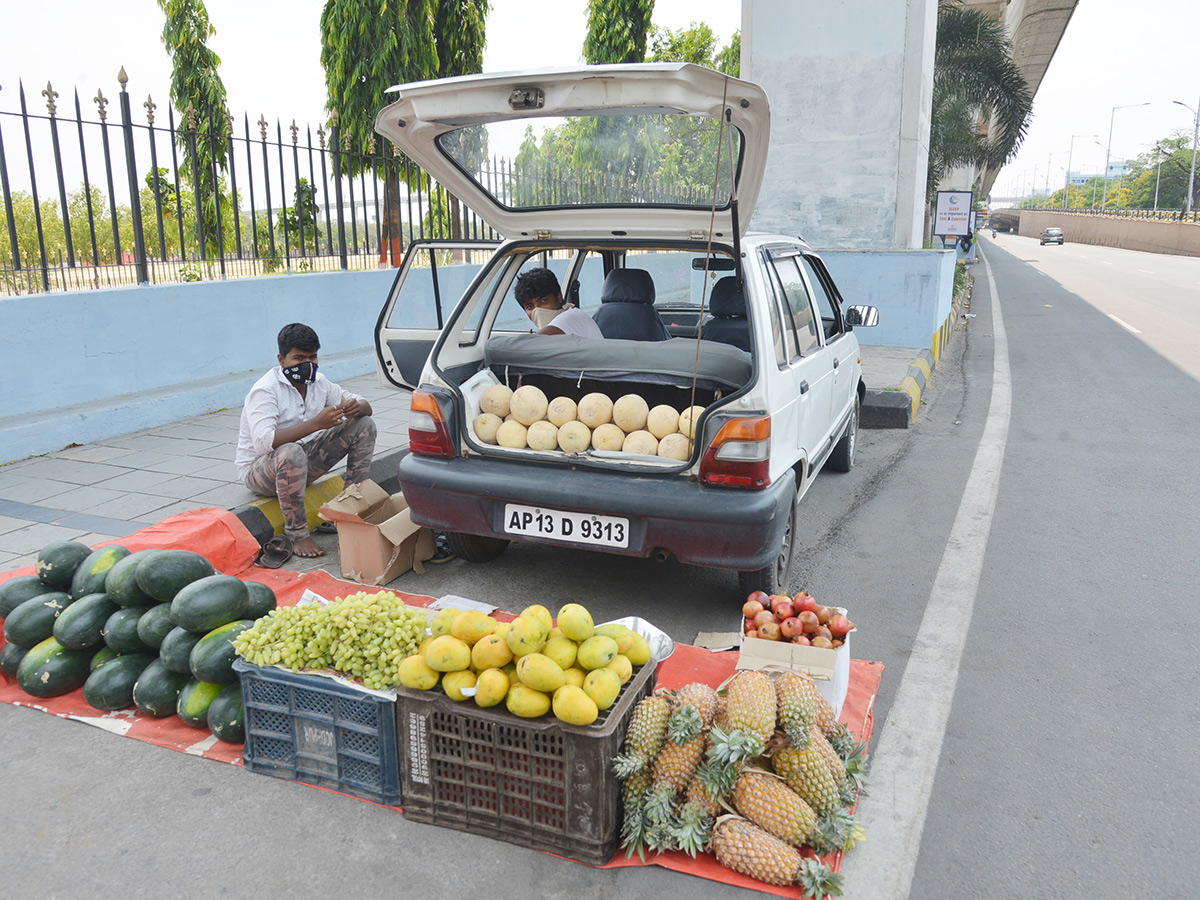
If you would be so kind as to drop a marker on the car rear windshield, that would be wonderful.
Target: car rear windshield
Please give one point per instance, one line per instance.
(647, 159)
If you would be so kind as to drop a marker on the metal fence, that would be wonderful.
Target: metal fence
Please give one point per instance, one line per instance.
(1162, 215)
(186, 200)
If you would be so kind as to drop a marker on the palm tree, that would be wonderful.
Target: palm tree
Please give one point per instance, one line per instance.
(976, 84)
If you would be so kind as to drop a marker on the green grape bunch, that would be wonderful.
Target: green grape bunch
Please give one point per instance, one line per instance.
(362, 636)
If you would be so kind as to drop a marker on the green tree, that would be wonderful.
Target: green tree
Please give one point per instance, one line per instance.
(975, 82)
(617, 31)
(695, 44)
(301, 217)
(199, 94)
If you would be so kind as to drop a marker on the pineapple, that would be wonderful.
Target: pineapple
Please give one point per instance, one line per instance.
(744, 847)
(633, 800)
(647, 731)
(703, 698)
(807, 773)
(836, 767)
(671, 772)
(837, 832)
(693, 822)
(819, 881)
(750, 704)
(765, 800)
(796, 711)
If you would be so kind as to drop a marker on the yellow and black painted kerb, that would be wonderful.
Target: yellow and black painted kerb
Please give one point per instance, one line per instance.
(264, 519)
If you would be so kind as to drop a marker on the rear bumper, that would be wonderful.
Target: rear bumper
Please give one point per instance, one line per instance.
(704, 526)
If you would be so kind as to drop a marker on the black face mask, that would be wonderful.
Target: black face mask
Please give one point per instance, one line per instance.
(302, 373)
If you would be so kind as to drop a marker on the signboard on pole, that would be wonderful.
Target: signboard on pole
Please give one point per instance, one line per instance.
(953, 215)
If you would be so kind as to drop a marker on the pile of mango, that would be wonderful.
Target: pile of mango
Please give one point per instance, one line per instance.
(534, 665)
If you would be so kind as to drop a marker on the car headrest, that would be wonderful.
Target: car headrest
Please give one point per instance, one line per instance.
(727, 301)
(628, 286)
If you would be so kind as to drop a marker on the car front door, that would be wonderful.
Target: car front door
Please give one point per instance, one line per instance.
(843, 348)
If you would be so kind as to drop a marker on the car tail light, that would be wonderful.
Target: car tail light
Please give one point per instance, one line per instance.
(739, 456)
(428, 431)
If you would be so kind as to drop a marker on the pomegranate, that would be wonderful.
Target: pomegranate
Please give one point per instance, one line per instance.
(751, 608)
(823, 631)
(770, 631)
(752, 633)
(776, 599)
(760, 596)
(791, 627)
(823, 642)
(808, 620)
(839, 625)
(822, 613)
(804, 601)
(763, 617)
(801, 639)
(836, 643)
(747, 626)
(783, 610)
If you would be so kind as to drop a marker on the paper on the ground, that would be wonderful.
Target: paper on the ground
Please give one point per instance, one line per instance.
(453, 601)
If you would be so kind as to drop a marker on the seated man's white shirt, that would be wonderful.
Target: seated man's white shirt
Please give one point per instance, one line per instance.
(273, 403)
(576, 321)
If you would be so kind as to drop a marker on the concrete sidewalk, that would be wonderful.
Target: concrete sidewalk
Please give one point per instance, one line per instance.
(111, 488)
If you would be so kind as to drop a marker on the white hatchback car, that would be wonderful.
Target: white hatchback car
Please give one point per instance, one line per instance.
(633, 186)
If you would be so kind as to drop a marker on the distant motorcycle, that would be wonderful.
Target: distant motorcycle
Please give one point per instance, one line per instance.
(993, 232)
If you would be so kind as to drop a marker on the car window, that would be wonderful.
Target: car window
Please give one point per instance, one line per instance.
(797, 306)
(511, 316)
(830, 320)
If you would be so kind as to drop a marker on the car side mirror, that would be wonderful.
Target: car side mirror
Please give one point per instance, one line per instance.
(866, 316)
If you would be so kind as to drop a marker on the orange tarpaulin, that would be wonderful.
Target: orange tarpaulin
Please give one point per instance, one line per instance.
(220, 536)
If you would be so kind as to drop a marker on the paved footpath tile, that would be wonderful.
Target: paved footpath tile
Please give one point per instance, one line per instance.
(33, 490)
(75, 472)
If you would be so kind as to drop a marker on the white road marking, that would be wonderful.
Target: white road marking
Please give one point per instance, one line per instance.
(1147, 272)
(906, 756)
(1124, 325)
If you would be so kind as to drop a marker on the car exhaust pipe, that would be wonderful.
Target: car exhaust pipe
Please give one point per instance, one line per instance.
(661, 555)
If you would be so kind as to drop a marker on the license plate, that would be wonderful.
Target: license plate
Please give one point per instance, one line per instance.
(556, 524)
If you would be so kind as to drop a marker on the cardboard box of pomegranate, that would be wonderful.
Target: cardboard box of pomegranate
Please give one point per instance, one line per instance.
(830, 669)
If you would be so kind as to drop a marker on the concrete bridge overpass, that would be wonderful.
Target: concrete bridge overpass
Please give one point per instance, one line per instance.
(1150, 235)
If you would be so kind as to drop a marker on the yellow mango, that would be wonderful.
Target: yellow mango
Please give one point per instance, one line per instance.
(454, 682)
(596, 652)
(527, 703)
(603, 686)
(448, 654)
(622, 666)
(442, 620)
(562, 650)
(415, 673)
(491, 687)
(490, 652)
(541, 613)
(501, 629)
(573, 706)
(622, 634)
(575, 675)
(526, 635)
(639, 653)
(576, 622)
(510, 669)
(471, 625)
(540, 672)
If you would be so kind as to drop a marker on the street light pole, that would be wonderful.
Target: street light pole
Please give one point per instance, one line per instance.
(1070, 156)
(1108, 149)
(1195, 134)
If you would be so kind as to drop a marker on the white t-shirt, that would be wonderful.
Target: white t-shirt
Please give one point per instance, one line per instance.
(274, 403)
(576, 321)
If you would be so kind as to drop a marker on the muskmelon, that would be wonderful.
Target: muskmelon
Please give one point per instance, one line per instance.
(629, 412)
(595, 410)
(528, 404)
(485, 427)
(495, 400)
(687, 420)
(561, 411)
(675, 446)
(542, 436)
(608, 437)
(640, 442)
(662, 420)
(511, 434)
(574, 437)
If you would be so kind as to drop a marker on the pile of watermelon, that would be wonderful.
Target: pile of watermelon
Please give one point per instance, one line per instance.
(152, 629)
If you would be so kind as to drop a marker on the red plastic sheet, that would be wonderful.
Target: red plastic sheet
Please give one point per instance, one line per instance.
(221, 537)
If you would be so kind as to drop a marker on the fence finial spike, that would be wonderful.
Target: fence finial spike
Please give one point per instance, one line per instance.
(122, 78)
(101, 102)
(50, 94)
(262, 125)
(150, 107)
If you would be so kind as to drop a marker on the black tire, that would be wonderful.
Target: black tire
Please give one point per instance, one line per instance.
(842, 457)
(773, 579)
(474, 547)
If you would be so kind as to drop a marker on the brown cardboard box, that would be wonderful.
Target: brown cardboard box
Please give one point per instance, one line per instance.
(377, 538)
(830, 669)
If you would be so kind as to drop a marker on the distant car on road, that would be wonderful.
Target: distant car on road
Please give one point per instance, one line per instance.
(1052, 235)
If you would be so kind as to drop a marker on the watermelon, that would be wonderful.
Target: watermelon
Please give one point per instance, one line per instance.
(154, 625)
(10, 658)
(121, 630)
(262, 600)
(81, 624)
(103, 655)
(156, 692)
(210, 602)
(17, 590)
(89, 577)
(164, 574)
(50, 669)
(212, 658)
(175, 651)
(226, 717)
(121, 582)
(57, 562)
(110, 686)
(33, 621)
(194, 701)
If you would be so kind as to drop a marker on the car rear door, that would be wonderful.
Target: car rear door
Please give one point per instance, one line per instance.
(432, 278)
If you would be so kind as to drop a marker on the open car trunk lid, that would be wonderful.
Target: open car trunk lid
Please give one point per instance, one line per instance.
(656, 150)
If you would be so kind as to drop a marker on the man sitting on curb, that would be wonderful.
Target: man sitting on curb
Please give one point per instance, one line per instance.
(297, 425)
(540, 296)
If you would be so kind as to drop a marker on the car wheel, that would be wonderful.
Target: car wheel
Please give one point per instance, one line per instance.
(474, 547)
(773, 579)
(842, 457)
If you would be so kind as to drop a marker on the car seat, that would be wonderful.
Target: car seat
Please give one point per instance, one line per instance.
(627, 307)
(729, 324)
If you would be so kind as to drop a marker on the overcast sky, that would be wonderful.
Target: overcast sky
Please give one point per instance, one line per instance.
(1114, 53)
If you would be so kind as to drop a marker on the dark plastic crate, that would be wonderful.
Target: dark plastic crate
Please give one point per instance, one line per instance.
(534, 782)
(316, 730)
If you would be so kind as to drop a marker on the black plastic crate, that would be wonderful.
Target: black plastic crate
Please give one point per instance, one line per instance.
(316, 730)
(534, 782)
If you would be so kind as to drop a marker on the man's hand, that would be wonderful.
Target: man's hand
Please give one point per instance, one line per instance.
(329, 417)
(352, 408)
